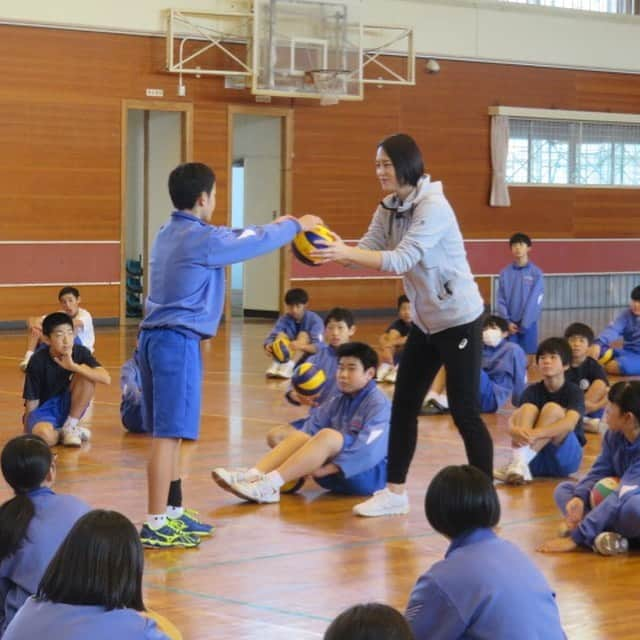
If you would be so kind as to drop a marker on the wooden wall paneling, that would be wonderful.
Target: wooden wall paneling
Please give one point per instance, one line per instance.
(353, 294)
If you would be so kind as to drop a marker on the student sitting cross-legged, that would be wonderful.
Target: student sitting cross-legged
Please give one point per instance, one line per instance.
(343, 445)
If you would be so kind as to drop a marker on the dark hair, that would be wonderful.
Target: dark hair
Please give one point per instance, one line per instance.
(626, 395)
(54, 320)
(26, 461)
(579, 329)
(635, 293)
(460, 499)
(66, 290)
(496, 321)
(361, 351)
(558, 346)
(372, 621)
(100, 562)
(340, 314)
(296, 296)
(405, 156)
(520, 237)
(188, 181)
(403, 300)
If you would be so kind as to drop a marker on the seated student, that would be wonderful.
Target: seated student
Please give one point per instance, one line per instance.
(587, 374)
(485, 587)
(503, 374)
(343, 445)
(92, 588)
(32, 524)
(304, 329)
(609, 526)
(546, 430)
(339, 329)
(59, 385)
(371, 621)
(69, 298)
(392, 342)
(625, 361)
(131, 400)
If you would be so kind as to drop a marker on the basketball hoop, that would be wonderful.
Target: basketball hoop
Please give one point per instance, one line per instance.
(330, 84)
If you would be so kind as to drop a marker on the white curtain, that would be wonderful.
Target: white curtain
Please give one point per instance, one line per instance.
(499, 148)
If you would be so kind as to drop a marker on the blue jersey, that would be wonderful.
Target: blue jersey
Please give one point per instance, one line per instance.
(506, 366)
(619, 458)
(57, 621)
(363, 420)
(520, 293)
(311, 323)
(625, 326)
(484, 588)
(187, 279)
(20, 573)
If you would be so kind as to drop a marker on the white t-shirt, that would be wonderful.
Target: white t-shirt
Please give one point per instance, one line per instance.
(86, 334)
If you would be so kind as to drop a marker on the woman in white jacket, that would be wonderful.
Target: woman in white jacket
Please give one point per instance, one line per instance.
(414, 232)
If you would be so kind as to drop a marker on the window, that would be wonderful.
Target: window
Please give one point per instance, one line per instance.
(602, 6)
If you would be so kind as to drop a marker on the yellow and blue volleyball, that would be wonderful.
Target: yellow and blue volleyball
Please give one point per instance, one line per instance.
(281, 349)
(308, 379)
(306, 241)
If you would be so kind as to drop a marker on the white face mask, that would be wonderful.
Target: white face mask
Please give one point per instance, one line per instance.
(492, 337)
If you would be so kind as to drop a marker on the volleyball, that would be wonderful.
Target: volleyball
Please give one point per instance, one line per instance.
(281, 349)
(306, 241)
(602, 489)
(292, 486)
(308, 379)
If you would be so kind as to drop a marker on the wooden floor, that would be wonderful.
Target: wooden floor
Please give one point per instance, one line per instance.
(282, 572)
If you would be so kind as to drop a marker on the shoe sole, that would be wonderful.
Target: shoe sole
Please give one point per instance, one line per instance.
(396, 512)
(516, 480)
(149, 545)
(223, 484)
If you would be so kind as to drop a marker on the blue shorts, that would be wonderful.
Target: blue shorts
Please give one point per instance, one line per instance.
(558, 461)
(55, 411)
(171, 373)
(488, 402)
(131, 415)
(596, 414)
(628, 361)
(298, 424)
(527, 339)
(363, 484)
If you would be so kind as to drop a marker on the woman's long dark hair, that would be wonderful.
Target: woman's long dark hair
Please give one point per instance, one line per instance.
(405, 156)
(25, 461)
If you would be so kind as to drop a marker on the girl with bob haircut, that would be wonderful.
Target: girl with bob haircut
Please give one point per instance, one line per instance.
(372, 621)
(414, 232)
(485, 587)
(32, 524)
(92, 588)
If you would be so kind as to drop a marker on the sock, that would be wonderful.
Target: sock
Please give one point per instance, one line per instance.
(175, 494)
(274, 479)
(70, 423)
(252, 474)
(174, 512)
(28, 355)
(524, 454)
(431, 395)
(156, 521)
(443, 400)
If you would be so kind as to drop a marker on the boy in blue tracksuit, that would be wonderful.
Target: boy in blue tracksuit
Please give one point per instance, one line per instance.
(625, 361)
(343, 445)
(303, 327)
(184, 306)
(608, 527)
(520, 293)
(131, 401)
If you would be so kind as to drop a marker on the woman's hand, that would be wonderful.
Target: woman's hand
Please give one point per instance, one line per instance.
(337, 251)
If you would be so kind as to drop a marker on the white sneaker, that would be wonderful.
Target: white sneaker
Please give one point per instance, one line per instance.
(518, 473)
(85, 434)
(383, 503)
(609, 543)
(71, 437)
(285, 370)
(258, 491)
(383, 371)
(225, 478)
(501, 473)
(392, 375)
(591, 425)
(24, 363)
(272, 371)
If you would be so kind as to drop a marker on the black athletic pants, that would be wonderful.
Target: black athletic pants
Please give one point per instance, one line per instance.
(459, 349)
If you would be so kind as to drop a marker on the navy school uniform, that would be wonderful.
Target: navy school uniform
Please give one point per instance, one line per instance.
(131, 400)
(484, 588)
(584, 375)
(184, 306)
(57, 621)
(363, 420)
(21, 572)
(620, 510)
(519, 300)
(311, 323)
(403, 329)
(565, 458)
(627, 327)
(503, 375)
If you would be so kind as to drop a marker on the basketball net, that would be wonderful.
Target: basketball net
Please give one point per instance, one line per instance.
(330, 84)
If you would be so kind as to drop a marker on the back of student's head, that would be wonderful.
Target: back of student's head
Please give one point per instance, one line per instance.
(460, 499)
(361, 351)
(54, 320)
(520, 237)
(68, 290)
(402, 300)
(498, 322)
(626, 395)
(296, 296)
(187, 182)
(581, 330)
(372, 621)
(559, 346)
(406, 157)
(635, 293)
(26, 461)
(100, 562)
(340, 314)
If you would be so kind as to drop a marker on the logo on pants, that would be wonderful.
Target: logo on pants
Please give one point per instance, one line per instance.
(463, 343)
